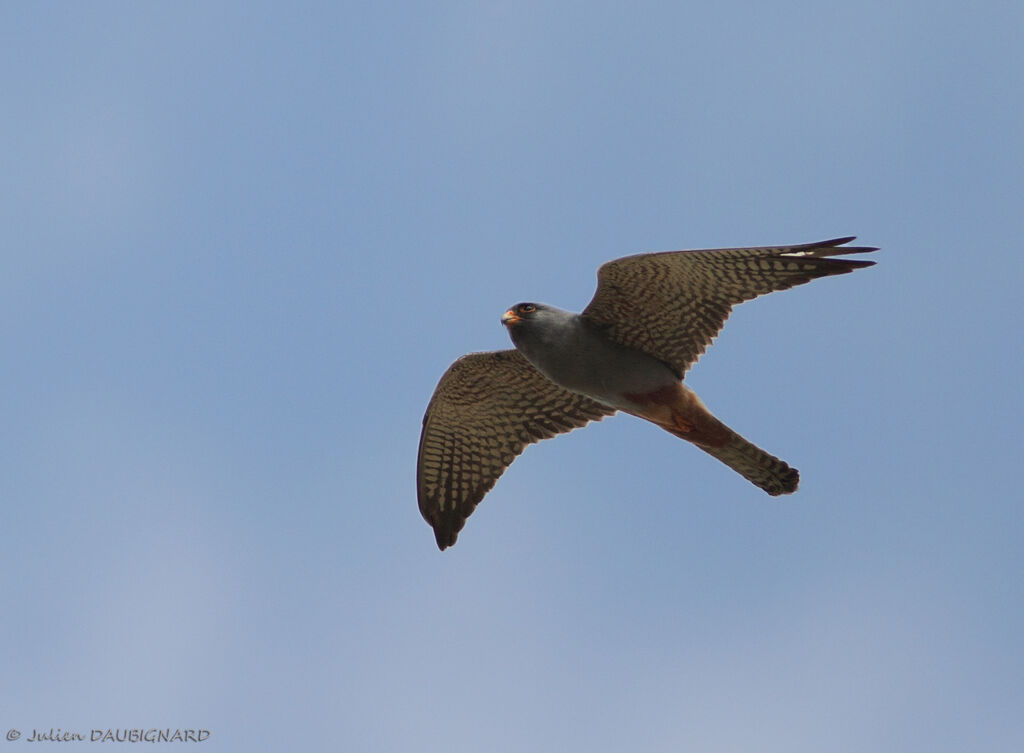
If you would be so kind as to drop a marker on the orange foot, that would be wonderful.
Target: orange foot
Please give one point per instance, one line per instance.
(681, 424)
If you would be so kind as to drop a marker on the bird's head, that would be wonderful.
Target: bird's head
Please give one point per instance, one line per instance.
(520, 313)
(537, 323)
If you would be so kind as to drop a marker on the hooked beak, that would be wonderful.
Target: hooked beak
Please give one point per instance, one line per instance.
(510, 317)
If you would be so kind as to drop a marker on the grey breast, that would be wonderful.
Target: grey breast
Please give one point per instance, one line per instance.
(577, 355)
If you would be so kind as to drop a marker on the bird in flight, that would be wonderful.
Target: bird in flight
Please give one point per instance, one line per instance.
(651, 318)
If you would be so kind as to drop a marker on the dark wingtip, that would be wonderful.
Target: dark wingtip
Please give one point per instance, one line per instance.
(852, 264)
(837, 242)
(826, 251)
(445, 537)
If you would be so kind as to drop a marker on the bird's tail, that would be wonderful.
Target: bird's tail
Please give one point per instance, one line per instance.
(680, 412)
(754, 464)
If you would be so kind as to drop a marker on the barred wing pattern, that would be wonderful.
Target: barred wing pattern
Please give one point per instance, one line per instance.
(487, 408)
(671, 305)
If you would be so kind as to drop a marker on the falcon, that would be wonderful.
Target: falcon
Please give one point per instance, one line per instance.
(651, 318)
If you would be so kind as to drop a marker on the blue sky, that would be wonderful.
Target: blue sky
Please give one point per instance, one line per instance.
(241, 243)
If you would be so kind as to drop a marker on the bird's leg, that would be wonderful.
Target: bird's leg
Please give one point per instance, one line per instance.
(677, 409)
(682, 424)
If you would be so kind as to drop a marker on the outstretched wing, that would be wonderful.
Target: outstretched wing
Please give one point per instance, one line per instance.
(671, 305)
(485, 411)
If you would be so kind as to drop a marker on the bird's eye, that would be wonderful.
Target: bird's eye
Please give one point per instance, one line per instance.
(527, 308)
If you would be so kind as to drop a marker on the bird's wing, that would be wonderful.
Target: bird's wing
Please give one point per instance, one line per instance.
(485, 411)
(671, 305)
